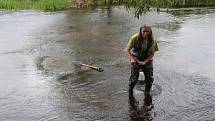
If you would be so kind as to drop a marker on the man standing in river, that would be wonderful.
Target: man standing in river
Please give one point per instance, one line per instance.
(140, 50)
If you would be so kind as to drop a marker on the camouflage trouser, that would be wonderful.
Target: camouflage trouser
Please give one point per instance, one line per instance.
(148, 72)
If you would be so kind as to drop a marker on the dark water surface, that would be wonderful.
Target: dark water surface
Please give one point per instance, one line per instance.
(40, 79)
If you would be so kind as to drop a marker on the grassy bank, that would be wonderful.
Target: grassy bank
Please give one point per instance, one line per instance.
(51, 5)
(46, 5)
(139, 5)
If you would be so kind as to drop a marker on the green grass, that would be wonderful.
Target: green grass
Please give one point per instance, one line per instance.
(46, 5)
(139, 5)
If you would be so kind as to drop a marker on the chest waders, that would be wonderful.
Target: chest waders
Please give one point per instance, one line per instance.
(147, 70)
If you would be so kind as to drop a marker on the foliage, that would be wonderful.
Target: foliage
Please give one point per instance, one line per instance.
(139, 6)
(47, 5)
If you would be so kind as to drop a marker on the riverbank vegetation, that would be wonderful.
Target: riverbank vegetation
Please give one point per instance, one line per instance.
(140, 6)
(152, 3)
(46, 5)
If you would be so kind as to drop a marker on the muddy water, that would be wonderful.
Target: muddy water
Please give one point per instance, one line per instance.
(40, 78)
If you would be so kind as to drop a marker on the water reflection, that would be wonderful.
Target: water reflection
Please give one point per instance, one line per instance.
(141, 113)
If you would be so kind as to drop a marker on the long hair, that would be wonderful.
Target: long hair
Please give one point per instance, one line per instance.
(150, 36)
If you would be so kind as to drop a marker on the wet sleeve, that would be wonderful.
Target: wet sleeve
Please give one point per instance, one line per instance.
(154, 47)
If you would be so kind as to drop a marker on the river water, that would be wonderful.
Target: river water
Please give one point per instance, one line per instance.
(40, 79)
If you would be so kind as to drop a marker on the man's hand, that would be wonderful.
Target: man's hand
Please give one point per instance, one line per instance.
(128, 53)
(142, 62)
(133, 61)
(146, 60)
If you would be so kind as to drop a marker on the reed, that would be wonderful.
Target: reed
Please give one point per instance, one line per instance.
(46, 5)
